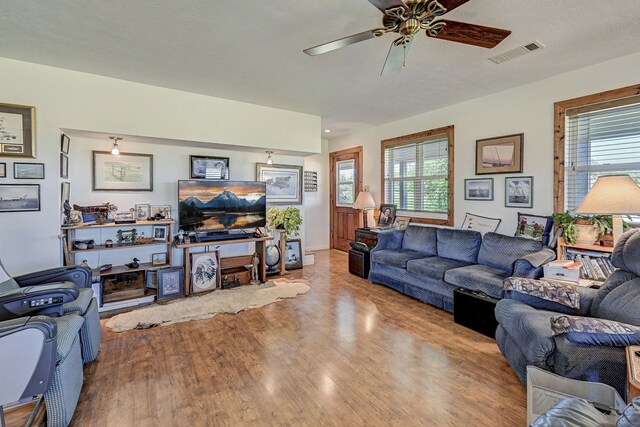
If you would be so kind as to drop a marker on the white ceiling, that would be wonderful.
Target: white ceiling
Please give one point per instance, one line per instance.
(252, 50)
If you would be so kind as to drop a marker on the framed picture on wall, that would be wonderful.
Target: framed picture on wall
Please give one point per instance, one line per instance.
(478, 189)
(502, 154)
(64, 143)
(65, 193)
(125, 172)
(518, 192)
(284, 183)
(3, 170)
(28, 170)
(19, 198)
(64, 166)
(17, 131)
(205, 167)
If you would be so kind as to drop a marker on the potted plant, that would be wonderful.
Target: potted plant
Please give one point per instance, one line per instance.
(288, 219)
(583, 229)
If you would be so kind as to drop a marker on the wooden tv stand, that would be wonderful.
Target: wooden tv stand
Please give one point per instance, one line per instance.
(260, 243)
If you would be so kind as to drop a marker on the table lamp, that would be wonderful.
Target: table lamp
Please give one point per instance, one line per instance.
(364, 202)
(614, 195)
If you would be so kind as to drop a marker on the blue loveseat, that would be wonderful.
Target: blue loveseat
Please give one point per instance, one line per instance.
(428, 263)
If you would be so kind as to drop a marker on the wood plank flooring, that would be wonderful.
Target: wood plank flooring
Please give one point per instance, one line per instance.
(348, 353)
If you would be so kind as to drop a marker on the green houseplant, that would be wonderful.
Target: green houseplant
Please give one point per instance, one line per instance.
(573, 224)
(288, 219)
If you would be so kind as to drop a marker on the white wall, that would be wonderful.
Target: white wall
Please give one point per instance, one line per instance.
(72, 100)
(317, 203)
(526, 109)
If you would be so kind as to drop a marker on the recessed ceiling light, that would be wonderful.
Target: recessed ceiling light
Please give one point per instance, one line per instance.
(327, 131)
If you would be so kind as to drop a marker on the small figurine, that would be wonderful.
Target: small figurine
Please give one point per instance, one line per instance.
(255, 263)
(181, 237)
(134, 264)
(85, 263)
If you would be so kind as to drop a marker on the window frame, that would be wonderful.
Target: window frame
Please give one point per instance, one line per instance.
(413, 139)
(605, 99)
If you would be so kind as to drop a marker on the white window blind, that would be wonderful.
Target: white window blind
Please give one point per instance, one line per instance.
(416, 175)
(600, 142)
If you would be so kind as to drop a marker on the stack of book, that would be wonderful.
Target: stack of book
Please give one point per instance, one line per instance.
(595, 265)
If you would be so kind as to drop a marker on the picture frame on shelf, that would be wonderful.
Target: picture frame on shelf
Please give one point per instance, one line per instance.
(502, 154)
(401, 223)
(64, 166)
(28, 170)
(151, 281)
(387, 215)
(518, 192)
(208, 167)
(125, 172)
(19, 198)
(283, 182)
(480, 189)
(160, 258)
(124, 217)
(170, 283)
(159, 232)
(3, 170)
(293, 254)
(127, 237)
(164, 210)
(17, 131)
(205, 271)
(143, 211)
(64, 143)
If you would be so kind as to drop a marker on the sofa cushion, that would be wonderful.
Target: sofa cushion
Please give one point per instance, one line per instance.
(433, 267)
(461, 245)
(622, 304)
(478, 278)
(617, 278)
(595, 332)
(500, 251)
(626, 253)
(421, 239)
(395, 258)
(572, 412)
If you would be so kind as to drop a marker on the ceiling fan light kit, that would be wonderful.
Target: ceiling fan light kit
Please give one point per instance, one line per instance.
(407, 19)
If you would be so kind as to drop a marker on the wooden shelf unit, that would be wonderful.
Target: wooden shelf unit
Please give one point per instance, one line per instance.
(562, 244)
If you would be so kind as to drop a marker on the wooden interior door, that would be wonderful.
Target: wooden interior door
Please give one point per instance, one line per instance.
(346, 183)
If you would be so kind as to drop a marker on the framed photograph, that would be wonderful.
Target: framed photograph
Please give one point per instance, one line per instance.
(28, 170)
(293, 254)
(151, 281)
(478, 189)
(127, 237)
(143, 211)
(17, 131)
(164, 210)
(64, 166)
(65, 193)
(401, 223)
(64, 144)
(518, 192)
(284, 183)
(159, 258)
(205, 271)
(3, 170)
(170, 283)
(205, 167)
(159, 232)
(125, 172)
(387, 215)
(502, 154)
(19, 198)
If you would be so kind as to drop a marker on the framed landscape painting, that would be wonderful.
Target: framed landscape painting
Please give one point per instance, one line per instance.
(518, 192)
(502, 154)
(19, 198)
(478, 189)
(125, 172)
(284, 183)
(17, 131)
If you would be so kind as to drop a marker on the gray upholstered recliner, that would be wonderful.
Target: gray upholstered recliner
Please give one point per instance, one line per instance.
(586, 342)
(574, 412)
(85, 305)
(41, 355)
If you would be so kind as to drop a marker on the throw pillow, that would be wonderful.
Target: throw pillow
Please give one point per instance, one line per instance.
(561, 293)
(535, 227)
(479, 223)
(594, 331)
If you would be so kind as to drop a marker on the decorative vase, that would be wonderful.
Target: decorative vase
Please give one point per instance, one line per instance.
(272, 257)
(587, 234)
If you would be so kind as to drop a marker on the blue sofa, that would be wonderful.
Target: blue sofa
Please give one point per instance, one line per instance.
(428, 263)
(592, 346)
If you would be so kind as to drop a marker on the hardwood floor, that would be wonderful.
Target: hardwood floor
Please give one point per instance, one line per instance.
(347, 353)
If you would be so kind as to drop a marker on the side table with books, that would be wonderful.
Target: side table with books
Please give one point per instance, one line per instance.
(592, 262)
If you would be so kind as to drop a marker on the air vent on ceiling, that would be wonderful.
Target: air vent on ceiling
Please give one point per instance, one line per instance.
(515, 53)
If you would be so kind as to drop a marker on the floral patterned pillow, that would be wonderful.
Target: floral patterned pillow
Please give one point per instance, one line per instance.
(561, 293)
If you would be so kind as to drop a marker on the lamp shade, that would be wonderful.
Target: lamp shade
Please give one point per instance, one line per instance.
(612, 195)
(364, 201)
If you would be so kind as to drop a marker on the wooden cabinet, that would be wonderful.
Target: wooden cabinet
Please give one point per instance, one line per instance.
(633, 373)
(359, 261)
(368, 237)
(595, 259)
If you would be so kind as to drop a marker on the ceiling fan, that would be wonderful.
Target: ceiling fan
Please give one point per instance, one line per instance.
(410, 16)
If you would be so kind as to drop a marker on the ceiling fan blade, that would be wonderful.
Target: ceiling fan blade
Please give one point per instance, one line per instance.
(396, 57)
(337, 44)
(451, 4)
(388, 4)
(476, 35)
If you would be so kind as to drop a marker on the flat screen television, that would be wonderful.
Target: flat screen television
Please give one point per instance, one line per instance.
(205, 205)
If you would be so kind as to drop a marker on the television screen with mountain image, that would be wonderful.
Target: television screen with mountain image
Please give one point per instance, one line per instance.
(221, 205)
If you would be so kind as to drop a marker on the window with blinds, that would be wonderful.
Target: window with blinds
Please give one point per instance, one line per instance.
(600, 140)
(416, 172)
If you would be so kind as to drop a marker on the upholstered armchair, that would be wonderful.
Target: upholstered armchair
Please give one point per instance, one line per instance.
(572, 331)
